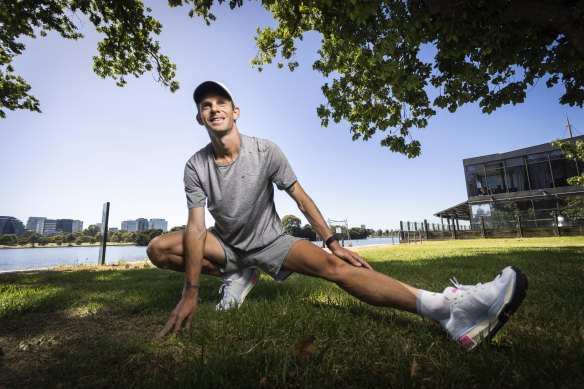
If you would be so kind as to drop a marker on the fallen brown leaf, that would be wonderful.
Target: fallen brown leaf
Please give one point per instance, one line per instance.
(264, 383)
(305, 347)
(415, 368)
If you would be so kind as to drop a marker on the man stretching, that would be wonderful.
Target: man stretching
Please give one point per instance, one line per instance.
(234, 176)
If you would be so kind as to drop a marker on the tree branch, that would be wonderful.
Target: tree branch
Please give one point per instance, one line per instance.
(556, 15)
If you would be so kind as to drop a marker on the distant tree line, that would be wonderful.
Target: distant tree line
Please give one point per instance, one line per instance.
(90, 235)
(292, 225)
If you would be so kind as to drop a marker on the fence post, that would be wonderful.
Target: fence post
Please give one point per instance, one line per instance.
(402, 235)
(453, 230)
(556, 227)
(483, 227)
(426, 229)
(519, 227)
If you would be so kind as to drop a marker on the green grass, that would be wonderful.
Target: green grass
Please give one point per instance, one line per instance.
(95, 328)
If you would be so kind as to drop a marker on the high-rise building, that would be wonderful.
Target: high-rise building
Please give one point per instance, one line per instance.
(129, 225)
(64, 225)
(141, 224)
(50, 227)
(36, 224)
(44, 226)
(67, 226)
(77, 226)
(11, 225)
(161, 224)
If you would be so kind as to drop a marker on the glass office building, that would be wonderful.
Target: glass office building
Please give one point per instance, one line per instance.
(529, 184)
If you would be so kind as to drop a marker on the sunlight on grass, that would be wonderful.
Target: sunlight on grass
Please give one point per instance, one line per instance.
(88, 309)
(16, 299)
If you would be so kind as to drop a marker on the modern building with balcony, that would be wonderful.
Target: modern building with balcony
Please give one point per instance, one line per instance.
(525, 188)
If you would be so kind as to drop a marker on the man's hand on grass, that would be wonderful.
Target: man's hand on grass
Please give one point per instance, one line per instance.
(183, 313)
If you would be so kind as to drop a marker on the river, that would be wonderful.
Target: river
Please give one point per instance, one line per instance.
(48, 257)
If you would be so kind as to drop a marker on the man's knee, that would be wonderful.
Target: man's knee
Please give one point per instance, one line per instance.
(155, 252)
(335, 269)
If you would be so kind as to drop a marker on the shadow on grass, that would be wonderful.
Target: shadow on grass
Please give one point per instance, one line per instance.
(95, 328)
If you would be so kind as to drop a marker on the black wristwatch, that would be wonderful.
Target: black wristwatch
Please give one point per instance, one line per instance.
(330, 240)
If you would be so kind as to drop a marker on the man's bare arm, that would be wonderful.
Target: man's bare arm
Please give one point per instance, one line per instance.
(316, 220)
(309, 210)
(194, 246)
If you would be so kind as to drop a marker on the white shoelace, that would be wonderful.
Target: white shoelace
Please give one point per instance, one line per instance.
(460, 286)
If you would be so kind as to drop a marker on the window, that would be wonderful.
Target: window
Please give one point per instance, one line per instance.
(540, 175)
(503, 215)
(476, 183)
(479, 211)
(539, 157)
(519, 161)
(580, 165)
(556, 154)
(544, 210)
(516, 178)
(562, 169)
(524, 208)
(495, 176)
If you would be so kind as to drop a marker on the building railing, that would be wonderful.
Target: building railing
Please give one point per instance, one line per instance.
(419, 231)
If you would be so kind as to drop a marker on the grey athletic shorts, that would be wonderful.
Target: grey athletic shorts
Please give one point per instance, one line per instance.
(268, 258)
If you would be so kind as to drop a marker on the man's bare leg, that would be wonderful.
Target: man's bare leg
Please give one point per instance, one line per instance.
(367, 285)
(470, 313)
(167, 252)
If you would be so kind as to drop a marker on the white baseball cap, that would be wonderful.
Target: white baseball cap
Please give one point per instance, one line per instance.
(205, 86)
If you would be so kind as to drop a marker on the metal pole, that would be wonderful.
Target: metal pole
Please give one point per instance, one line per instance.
(519, 227)
(104, 222)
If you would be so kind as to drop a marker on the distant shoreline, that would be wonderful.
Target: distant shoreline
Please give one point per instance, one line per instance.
(122, 264)
(52, 245)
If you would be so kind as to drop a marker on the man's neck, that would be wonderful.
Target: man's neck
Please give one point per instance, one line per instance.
(226, 146)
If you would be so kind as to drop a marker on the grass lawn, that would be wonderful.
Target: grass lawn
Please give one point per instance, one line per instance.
(94, 327)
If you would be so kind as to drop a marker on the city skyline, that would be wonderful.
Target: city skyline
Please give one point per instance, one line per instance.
(38, 224)
(97, 143)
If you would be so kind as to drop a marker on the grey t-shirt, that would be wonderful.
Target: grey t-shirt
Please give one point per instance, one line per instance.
(240, 196)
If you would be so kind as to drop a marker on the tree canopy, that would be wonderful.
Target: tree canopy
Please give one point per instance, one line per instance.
(373, 55)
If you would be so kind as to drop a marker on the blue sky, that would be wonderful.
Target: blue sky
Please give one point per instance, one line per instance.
(96, 142)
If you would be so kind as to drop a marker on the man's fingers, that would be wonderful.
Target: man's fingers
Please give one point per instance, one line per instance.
(364, 262)
(358, 261)
(166, 328)
(178, 324)
(189, 321)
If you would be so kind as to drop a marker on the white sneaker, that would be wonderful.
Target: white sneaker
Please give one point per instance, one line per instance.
(236, 286)
(478, 311)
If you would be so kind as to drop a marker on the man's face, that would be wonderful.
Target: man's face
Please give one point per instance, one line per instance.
(217, 113)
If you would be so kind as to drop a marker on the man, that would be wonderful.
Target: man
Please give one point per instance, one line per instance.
(235, 174)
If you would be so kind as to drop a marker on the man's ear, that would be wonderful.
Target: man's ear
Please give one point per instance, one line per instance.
(199, 119)
(236, 113)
